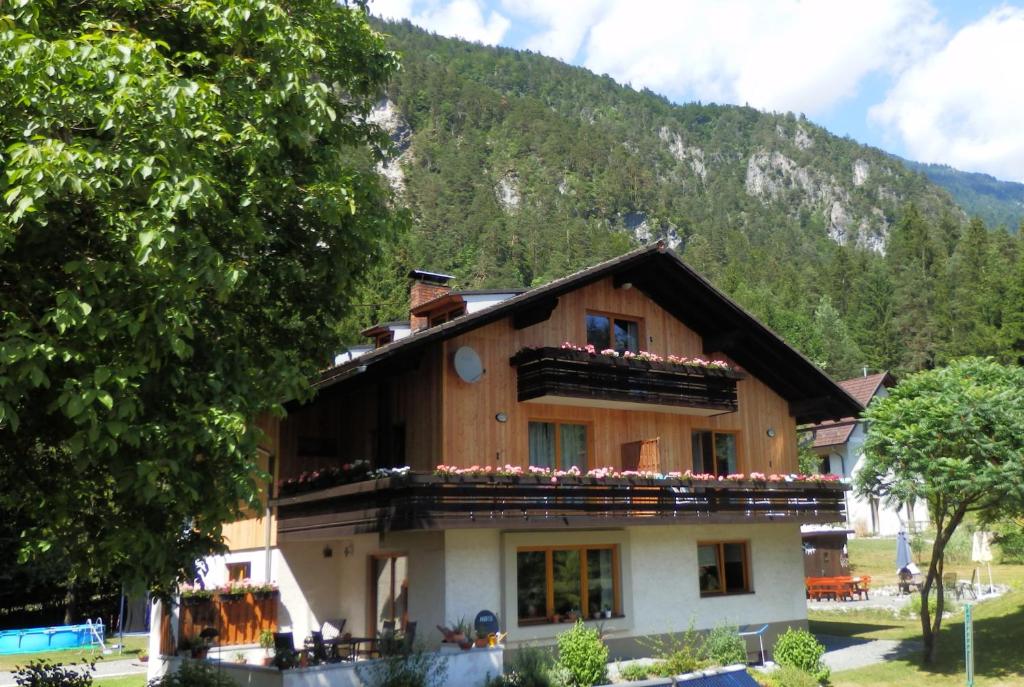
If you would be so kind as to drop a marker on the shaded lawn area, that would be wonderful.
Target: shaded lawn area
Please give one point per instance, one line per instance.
(133, 645)
(998, 630)
(126, 681)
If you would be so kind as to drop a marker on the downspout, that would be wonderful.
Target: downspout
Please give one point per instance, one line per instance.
(267, 530)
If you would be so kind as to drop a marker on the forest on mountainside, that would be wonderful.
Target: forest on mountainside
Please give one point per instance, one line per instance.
(995, 201)
(516, 169)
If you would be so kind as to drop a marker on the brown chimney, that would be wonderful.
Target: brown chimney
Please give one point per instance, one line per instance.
(426, 286)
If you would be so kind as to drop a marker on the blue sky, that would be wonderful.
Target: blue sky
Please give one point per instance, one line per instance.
(937, 81)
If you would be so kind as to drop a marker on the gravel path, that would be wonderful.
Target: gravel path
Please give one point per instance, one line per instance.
(847, 653)
(109, 667)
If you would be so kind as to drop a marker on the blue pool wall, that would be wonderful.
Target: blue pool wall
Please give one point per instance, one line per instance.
(47, 638)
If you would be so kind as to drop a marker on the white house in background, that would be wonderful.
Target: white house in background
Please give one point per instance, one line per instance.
(840, 444)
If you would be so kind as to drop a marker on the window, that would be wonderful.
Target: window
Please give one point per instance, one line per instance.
(384, 339)
(558, 445)
(446, 316)
(608, 331)
(714, 453)
(555, 584)
(239, 571)
(723, 568)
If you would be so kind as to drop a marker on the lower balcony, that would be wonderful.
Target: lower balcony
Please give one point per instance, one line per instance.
(416, 501)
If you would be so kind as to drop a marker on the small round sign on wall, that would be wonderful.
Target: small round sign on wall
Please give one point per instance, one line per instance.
(486, 623)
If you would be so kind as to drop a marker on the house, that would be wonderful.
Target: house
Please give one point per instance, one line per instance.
(617, 446)
(840, 443)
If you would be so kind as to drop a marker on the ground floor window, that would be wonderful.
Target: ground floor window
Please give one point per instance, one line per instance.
(723, 568)
(562, 583)
(239, 571)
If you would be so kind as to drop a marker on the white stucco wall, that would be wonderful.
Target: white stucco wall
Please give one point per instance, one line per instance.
(472, 574)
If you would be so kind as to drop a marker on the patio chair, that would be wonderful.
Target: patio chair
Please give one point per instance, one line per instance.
(332, 629)
(963, 587)
(316, 647)
(410, 636)
(285, 655)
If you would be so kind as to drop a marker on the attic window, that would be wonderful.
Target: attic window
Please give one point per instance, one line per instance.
(447, 316)
(612, 331)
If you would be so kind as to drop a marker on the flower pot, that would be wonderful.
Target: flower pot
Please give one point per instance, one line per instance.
(480, 643)
(200, 652)
(607, 614)
(465, 644)
(267, 660)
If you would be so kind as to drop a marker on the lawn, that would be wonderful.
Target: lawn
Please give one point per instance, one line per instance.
(998, 630)
(134, 644)
(126, 681)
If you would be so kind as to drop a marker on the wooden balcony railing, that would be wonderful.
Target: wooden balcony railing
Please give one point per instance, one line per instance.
(425, 501)
(238, 620)
(567, 376)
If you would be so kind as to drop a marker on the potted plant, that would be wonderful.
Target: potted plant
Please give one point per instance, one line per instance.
(481, 640)
(264, 591)
(267, 644)
(461, 632)
(194, 647)
(144, 657)
(607, 611)
(240, 658)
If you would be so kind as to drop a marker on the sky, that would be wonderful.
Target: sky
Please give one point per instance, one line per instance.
(931, 80)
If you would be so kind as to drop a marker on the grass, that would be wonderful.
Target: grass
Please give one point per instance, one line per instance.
(998, 630)
(134, 644)
(126, 681)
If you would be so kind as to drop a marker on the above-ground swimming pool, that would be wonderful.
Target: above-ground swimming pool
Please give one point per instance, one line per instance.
(50, 638)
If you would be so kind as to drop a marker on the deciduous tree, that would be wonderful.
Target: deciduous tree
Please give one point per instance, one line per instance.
(189, 192)
(954, 438)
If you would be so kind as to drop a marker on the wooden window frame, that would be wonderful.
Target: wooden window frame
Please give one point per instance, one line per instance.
(558, 422)
(748, 587)
(244, 566)
(739, 447)
(384, 339)
(641, 330)
(549, 581)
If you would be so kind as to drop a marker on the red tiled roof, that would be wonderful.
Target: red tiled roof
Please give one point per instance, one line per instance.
(863, 389)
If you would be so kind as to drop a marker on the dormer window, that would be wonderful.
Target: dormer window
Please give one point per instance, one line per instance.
(383, 339)
(613, 331)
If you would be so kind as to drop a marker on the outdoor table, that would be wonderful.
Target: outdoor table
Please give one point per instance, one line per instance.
(755, 631)
(353, 645)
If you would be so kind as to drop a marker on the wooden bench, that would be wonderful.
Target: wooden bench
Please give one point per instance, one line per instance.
(832, 588)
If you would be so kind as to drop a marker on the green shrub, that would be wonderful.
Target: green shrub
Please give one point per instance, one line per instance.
(787, 676)
(913, 607)
(635, 671)
(724, 646)
(46, 674)
(958, 548)
(530, 666)
(413, 669)
(799, 648)
(584, 656)
(1009, 536)
(679, 653)
(194, 674)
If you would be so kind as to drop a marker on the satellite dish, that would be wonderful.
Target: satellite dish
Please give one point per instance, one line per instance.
(468, 365)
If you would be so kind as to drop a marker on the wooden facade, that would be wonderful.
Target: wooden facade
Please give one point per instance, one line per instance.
(472, 436)
(237, 620)
(418, 412)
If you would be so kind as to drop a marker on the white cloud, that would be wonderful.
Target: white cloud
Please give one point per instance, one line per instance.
(773, 54)
(459, 18)
(964, 105)
(564, 23)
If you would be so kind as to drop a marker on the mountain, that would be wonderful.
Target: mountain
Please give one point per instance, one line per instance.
(998, 203)
(516, 168)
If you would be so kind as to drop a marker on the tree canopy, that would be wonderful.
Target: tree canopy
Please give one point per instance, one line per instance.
(954, 438)
(189, 193)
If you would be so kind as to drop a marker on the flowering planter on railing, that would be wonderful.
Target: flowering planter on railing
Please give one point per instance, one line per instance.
(641, 382)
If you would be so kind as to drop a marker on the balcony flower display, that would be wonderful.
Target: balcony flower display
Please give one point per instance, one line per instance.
(195, 594)
(646, 356)
(324, 478)
(598, 474)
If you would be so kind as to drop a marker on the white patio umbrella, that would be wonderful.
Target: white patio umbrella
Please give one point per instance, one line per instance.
(904, 557)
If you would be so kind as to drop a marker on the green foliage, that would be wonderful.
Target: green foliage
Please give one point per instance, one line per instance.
(724, 646)
(583, 654)
(189, 196)
(635, 671)
(799, 649)
(46, 674)
(913, 607)
(996, 202)
(415, 669)
(788, 676)
(1009, 536)
(193, 674)
(950, 437)
(531, 667)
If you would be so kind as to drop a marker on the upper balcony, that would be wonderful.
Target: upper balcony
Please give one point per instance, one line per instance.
(527, 500)
(568, 376)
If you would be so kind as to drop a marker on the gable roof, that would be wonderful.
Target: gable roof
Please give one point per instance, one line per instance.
(663, 277)
(862, 389)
